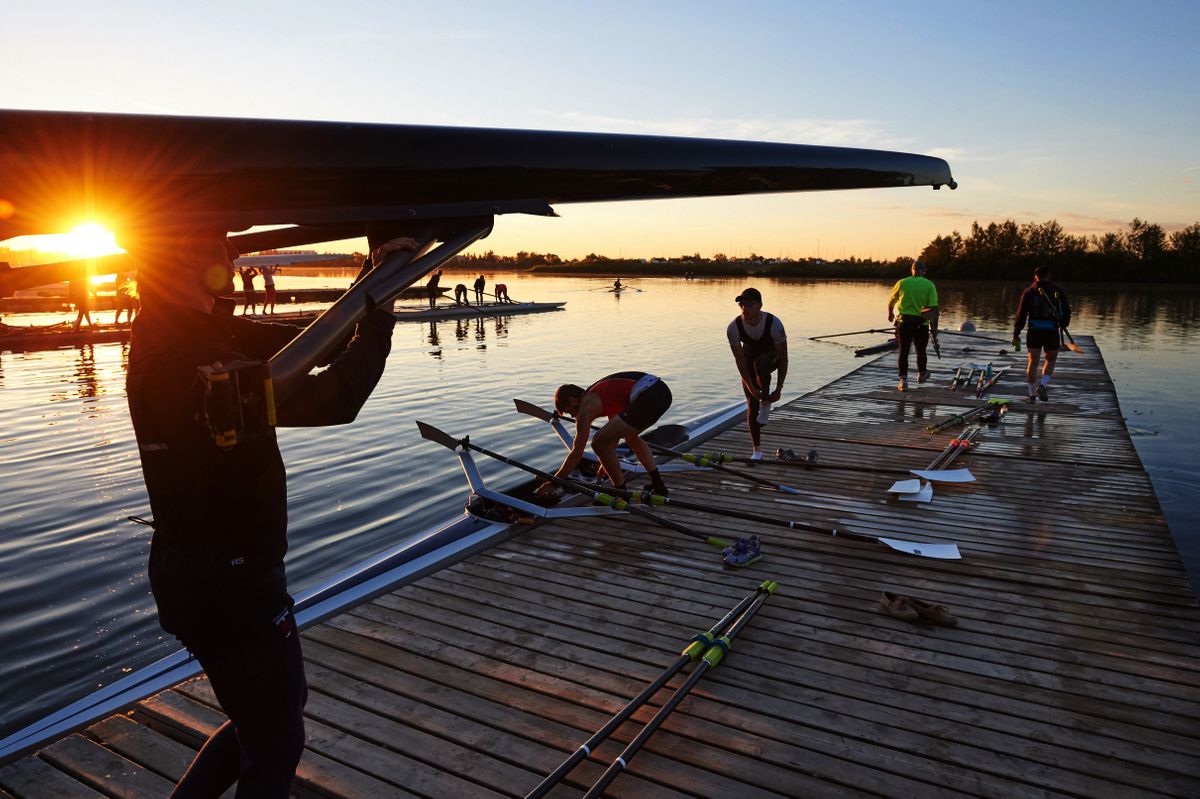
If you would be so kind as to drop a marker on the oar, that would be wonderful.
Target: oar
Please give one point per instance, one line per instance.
(1071, 345)
(967, 415)
(692, 652)
(431, 433)
(941, 551)
(851, 333)
(712, 658)
(972, 335)
(529, 409)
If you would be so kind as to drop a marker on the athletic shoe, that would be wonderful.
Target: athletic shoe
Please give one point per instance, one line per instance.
(923, 376)
(764, 412)
(756, 455)
(1042, 394)
(902, 385)
(1031, 399)
(743, 552)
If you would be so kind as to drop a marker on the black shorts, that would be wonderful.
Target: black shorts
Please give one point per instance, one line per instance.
(648, 407)
(1047, 340)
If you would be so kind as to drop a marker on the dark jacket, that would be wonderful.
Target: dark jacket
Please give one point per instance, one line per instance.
(1045, 302)
(220, 515)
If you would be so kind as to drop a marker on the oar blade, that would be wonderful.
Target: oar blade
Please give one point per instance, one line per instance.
(945, 475)
(940, 551)
(529, 409)
(905, 487)
(925, 494)
(431, 433)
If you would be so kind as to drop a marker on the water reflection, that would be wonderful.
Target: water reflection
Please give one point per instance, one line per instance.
(85, 372)
(1148, 335)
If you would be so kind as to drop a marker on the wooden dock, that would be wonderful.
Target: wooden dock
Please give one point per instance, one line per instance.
(1074, 669)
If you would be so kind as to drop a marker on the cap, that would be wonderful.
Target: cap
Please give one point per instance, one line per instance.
(749, 295)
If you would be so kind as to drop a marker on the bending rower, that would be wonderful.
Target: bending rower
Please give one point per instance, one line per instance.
(632, 401)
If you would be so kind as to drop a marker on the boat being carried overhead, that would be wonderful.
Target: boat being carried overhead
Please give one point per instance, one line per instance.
(155, 176)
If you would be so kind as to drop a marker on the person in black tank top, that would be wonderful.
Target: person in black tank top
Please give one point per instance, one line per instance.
(759, 346)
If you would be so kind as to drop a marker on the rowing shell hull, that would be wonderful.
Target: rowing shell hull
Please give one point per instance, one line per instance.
(476, 311)
(59, 168)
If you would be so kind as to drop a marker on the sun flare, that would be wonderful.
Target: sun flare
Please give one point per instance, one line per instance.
(89, 240)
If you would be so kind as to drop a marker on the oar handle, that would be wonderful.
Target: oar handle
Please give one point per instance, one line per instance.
(712, 658)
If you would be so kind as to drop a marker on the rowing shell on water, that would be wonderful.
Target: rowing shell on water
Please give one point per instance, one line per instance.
(475, 311)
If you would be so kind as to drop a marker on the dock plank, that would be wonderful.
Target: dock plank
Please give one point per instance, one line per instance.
(1074, 669)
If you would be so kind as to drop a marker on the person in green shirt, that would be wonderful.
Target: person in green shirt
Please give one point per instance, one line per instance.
(918, 311)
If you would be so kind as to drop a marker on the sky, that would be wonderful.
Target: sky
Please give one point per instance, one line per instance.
(1084, 112)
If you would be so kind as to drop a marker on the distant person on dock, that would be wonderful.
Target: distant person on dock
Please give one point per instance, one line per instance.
(79, 293)
(460, 294)
(268, 273)
(1045, 307)
(480, 283)
(432, 287)
(632, 401)
(918, 300)
(501, 294)
(126, 300)
(220, 510)
(249, 297)
(759, 345)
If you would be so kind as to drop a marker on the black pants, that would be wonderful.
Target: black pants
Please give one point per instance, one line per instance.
(760, 369)
(912, 329)
(259, 680)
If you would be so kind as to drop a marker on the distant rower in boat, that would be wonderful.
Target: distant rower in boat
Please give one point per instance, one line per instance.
(1046, 308)
(759, 346)
(632, 401)
(220, 505)
(617, 284)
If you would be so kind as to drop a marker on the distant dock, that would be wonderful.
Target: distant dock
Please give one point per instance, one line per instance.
(1074, 669)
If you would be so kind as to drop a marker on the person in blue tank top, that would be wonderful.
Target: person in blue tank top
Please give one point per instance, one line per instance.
(1044, 306)
(759, 346)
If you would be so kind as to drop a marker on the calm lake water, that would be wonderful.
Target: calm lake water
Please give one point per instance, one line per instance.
(75, 604)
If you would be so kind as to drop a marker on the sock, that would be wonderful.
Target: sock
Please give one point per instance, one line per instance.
(1045, 380)
(1032, 388)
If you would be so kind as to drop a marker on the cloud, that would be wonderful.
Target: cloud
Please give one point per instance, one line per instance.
(852, 132)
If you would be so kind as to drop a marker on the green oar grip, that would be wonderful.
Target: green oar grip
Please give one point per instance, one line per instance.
(717, 652)
(699, 645)
(615, 503)
(720, 543)
(720, 457)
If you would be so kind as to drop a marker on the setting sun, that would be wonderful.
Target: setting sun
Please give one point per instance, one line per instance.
(88, 240)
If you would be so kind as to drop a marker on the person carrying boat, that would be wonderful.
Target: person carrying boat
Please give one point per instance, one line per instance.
(759, 345)
(269, 294)
(1045, 307)
(220, 508)
(249, 296)
(918, 301)
(632, 401)
(432, 288)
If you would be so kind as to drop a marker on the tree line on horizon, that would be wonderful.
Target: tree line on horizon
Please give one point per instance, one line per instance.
(998, 251)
